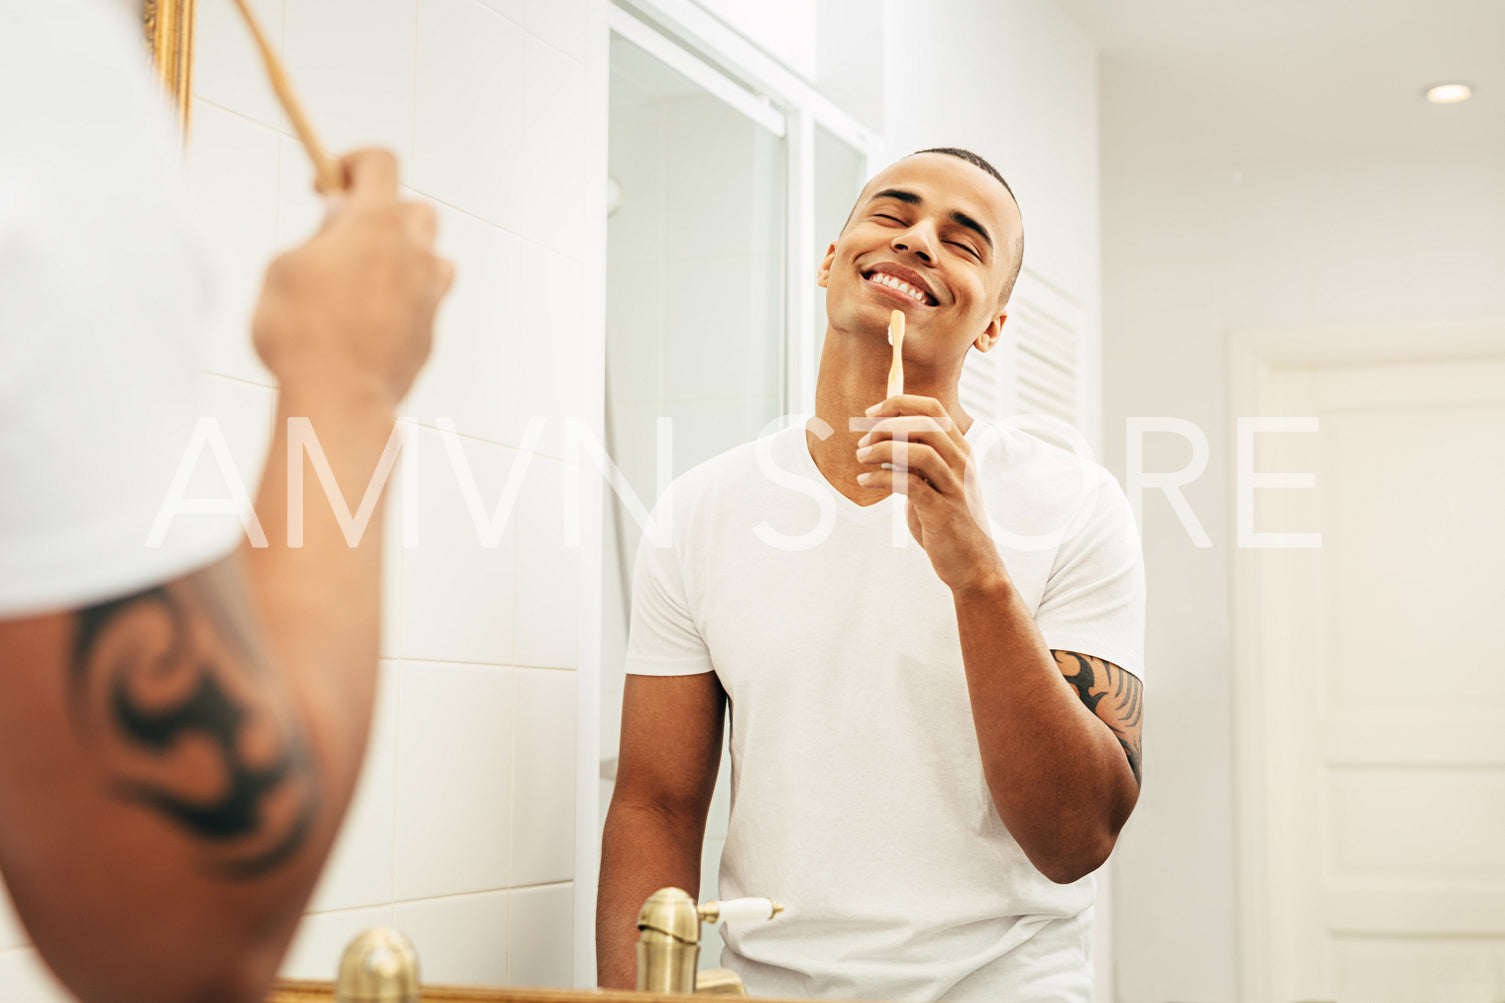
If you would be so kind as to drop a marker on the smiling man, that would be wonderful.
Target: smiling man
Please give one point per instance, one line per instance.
(929, 630)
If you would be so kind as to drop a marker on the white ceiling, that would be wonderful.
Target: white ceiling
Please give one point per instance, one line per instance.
(1238, 81)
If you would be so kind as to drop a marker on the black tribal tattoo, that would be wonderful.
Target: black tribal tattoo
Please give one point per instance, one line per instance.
(150, 689)
(1097, 681)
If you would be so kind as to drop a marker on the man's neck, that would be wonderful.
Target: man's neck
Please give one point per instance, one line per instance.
(853, 377)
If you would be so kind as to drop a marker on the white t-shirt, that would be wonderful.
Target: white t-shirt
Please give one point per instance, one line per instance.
(103, 289)
(858, 796)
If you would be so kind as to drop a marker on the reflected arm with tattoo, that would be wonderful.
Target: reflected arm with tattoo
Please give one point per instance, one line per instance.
(175, 762)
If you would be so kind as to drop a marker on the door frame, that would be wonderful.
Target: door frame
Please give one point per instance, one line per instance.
(1256, 360)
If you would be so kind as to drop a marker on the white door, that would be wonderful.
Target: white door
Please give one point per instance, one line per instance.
(1381, 674)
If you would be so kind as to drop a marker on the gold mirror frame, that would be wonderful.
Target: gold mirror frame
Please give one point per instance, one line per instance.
(169, 37)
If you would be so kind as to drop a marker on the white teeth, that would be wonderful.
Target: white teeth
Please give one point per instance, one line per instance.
(896, 283)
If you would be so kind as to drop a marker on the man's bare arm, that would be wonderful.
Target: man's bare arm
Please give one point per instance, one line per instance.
(666, 774)
(1114, 694)
(1063, 773)
(178, 760)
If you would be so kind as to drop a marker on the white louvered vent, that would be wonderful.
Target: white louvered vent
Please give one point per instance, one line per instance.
(1037, 368)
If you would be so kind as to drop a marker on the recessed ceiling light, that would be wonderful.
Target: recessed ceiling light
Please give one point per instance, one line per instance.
(1449, 93)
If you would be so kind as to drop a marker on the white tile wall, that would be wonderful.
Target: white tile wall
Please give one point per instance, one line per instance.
(469, 136)
(454, 779)
(461, 940)
(556, 348)
(360, 867)
(227, 65)
(487, 104)
(553, 174)
(549, 559)
(322, 938)
(354, 63)
(458, 594)
(543, 764)
(233, 171)
(540, 951)
(472, 375)
(561, 23)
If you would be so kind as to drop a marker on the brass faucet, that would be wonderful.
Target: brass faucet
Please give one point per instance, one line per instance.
(379, 966)
(669, 942)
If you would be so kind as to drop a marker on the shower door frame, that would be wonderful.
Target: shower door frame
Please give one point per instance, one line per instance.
(697, 45)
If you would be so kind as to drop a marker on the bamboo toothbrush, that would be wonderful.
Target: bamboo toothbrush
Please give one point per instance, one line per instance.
(331, 181)
(896, 338)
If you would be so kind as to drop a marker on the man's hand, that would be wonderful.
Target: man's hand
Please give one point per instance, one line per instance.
(916, 450)
(352, 310)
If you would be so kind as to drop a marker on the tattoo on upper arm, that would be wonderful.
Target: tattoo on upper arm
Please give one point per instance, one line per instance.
(1114, 695)
(177, 707)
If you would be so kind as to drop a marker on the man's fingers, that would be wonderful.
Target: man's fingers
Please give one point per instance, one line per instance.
(370, 174)
(912, 458)
(421, 223)
(444, 270)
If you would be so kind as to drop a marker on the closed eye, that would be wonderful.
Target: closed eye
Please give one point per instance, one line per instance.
(966, 247)
(884, 215)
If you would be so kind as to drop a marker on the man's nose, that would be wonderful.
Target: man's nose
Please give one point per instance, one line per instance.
(917, 240)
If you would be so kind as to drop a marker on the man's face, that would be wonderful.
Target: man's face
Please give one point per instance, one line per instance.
(933, 236)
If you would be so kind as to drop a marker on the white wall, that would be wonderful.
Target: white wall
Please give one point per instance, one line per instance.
(1191, 253)
(463, 830)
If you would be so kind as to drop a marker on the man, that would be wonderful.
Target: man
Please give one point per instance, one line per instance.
(935, 732)
(183, 724)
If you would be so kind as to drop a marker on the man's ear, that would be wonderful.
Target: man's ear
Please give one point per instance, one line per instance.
(991, 333)
(823, 273)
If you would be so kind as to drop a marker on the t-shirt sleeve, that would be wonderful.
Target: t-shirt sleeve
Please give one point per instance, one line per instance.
(103, 290)
(1093, 602)
(662, 639)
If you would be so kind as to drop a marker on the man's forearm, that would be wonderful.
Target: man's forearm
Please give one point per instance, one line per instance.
(1057, 775)
(320, 602)
(643, 849)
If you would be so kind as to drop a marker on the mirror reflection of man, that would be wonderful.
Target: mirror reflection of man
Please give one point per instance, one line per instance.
(935, 736)
(181, 726)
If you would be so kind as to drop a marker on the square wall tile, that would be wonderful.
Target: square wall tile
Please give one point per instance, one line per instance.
(359, 871)
(454, 779)
(300, 210)
(543, 777)
(25, 979)
(322, 938)
(472, 373)
(541, 936)
(461, 940)
(458, 592)
(233, 178)
(227, 66)
(562, 204)
(548, 571)
(354, 61)
(245, 413)
(393, 532)
(469, 144)
(561, 23)
(513, 9)
(555, 345)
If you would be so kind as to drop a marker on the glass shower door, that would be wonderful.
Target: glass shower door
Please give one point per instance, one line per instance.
(695, 313)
